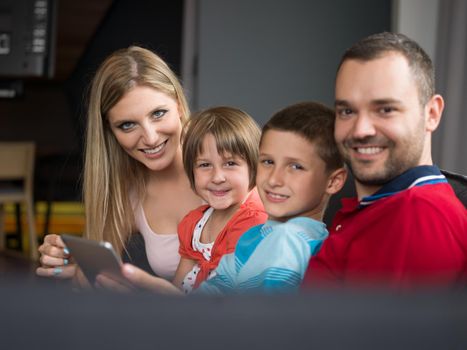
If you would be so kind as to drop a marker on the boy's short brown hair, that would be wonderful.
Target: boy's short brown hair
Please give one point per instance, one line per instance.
(234, 131)
(313, 121)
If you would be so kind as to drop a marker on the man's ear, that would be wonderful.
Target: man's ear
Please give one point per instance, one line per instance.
(433, 111)
(336, 181)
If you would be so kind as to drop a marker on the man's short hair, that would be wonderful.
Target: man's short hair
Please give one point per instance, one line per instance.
(376, 45)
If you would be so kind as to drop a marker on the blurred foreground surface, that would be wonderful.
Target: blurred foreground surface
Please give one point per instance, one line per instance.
(41, 313)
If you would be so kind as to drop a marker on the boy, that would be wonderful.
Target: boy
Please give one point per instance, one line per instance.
(299, 169)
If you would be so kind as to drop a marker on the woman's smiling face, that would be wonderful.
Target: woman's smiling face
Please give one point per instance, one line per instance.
(147, 124)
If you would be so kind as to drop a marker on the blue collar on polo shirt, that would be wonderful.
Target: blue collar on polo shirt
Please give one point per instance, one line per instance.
(418, 176)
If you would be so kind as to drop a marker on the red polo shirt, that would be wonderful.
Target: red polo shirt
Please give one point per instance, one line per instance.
(412, 232)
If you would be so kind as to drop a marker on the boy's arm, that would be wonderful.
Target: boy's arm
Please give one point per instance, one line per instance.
(224, 279)
(280, 260)
(242, 224)
(276, 263)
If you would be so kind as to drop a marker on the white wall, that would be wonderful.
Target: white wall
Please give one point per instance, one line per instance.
(264, 55)
(418, 19)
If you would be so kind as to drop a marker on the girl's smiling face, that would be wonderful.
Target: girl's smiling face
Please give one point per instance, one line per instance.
(222, 180)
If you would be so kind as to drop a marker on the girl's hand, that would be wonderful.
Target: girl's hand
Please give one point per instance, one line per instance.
(55, 259)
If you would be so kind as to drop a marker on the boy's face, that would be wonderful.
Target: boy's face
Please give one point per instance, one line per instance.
(291, 178)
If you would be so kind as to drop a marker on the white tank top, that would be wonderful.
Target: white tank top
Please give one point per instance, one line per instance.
(161, 250)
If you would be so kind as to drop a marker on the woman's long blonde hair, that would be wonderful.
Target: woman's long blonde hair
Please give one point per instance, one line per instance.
(110, 174)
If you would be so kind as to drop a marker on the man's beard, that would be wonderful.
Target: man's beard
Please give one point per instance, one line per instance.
(399, 160)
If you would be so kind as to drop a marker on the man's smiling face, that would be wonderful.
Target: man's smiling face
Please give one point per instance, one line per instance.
(380, 123)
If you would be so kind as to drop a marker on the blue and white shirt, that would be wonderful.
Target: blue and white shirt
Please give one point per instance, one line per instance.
(268, 258)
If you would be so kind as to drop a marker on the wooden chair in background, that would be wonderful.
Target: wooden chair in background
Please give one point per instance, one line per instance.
(16, 186)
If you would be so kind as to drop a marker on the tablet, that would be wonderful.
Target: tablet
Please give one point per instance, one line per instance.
(94, 258)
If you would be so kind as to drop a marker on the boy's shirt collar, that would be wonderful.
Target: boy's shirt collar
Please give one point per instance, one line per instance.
(418, 176)
(302, 221)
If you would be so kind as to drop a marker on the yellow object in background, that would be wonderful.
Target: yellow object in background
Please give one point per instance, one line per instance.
(66, 217)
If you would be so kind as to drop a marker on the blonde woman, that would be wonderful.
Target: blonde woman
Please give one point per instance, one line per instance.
(133, 172)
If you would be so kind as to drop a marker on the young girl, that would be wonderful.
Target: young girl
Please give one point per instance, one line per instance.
(220, 155)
